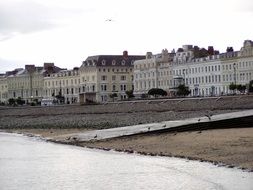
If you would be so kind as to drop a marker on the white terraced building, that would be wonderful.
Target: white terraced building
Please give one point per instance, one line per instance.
(153, 72)
(25, 83)
(201, 75)
(65, 83)
(3, 89)
(207, 76)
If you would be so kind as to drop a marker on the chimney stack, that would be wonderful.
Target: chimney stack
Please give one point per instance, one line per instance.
(30, 68)
(125, 54)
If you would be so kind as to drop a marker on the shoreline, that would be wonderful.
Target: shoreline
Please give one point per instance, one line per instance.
(232, 146)
(221, 154)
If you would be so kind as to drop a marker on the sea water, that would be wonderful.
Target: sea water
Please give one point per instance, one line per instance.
(30, 163)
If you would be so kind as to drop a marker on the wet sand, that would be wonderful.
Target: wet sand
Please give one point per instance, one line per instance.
(53, 133)
(232, 147)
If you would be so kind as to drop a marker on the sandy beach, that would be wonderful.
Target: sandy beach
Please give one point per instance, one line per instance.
(233, 147)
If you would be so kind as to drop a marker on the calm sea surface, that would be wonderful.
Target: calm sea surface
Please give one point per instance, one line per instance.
(29, 163)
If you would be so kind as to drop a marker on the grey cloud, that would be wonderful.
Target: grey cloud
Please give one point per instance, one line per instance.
(8, 65)
(26, 17)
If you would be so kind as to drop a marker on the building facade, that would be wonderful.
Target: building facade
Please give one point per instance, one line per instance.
(155, 71)
(65, 83)
(28, 83)
(105, 78)
(104, 75)
(201, 75)
(3, 89)
(96, 80)
(208, 75)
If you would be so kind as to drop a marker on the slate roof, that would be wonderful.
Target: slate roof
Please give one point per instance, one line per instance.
(111, 60)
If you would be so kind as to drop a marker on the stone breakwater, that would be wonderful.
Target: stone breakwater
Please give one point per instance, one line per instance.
(120, 113)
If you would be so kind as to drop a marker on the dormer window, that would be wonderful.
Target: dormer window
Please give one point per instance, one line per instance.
(132, 62)
(113, 62)
(123, 62)
(103, 62)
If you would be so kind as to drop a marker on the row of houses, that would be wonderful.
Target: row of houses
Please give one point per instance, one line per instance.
(205, 72)
(208, 75)
(96, 80)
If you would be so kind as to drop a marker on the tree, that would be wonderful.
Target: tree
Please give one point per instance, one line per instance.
(157, 92)
(232, 86)
(113, 95)
(251, 86)
(183, 90)
(241, 88)
(12, 101)
(20, 101)
(130, 94)
(244, 87)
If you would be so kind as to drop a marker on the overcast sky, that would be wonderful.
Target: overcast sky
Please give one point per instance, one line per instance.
(66, 32)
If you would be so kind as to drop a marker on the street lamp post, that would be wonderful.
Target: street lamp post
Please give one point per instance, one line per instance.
(22, 92)
(156, 70)
(60, 92)
(31, 84)
(235, 73)
(184, 76)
